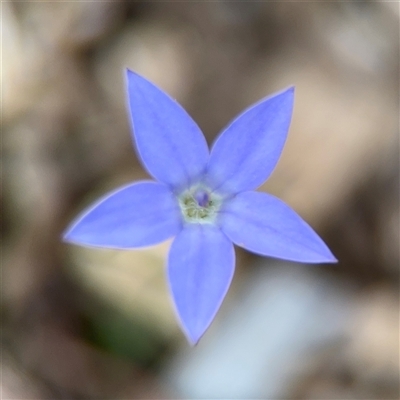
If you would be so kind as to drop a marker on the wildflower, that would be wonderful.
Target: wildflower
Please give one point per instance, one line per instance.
(205, 199)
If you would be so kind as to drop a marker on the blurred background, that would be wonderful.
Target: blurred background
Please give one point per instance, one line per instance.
(88, 324)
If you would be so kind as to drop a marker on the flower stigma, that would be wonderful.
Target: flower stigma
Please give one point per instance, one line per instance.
(199, 205)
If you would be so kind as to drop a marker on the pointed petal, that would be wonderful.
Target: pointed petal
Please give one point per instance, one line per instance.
(200, 269)
(137, 215)
(265, 225)
(170, 144)
(247, 151)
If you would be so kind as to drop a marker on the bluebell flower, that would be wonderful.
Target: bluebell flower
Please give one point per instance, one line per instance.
(205, 199)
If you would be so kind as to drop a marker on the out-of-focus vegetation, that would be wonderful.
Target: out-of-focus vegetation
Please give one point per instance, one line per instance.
(84, 323)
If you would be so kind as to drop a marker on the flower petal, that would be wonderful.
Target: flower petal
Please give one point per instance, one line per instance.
(137, 215)
(247, 151)
(170, 144)
(264, 224)
(200, 269)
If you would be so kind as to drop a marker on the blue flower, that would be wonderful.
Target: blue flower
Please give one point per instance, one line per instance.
(206, 199)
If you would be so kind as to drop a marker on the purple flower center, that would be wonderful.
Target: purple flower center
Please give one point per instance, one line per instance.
(202, 197)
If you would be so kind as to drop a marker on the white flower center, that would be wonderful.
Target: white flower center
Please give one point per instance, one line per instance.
(199, 205)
